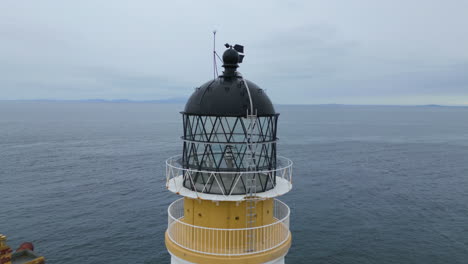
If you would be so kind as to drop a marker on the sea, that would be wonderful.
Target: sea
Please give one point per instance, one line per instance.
(85, 181)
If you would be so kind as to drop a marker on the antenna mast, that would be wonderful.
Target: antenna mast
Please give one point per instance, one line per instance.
(215, 68)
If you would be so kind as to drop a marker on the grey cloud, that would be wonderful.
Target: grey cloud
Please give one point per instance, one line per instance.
(300, 51)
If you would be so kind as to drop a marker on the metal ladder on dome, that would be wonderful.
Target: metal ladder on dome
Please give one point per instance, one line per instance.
(251, 185)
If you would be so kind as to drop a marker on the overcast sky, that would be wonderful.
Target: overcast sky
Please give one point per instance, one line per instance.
(301, 52)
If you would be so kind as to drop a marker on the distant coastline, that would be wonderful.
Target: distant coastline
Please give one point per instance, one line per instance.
(184, 100)
(98, 100)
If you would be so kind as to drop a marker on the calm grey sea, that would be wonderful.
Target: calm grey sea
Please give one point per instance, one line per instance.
(372, 184)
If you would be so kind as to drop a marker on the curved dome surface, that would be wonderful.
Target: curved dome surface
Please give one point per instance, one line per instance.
(227, 96)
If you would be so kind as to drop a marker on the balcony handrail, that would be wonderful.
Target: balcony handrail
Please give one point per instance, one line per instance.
(279, 168)
(279, 180)
(228, 241)
(228, 229)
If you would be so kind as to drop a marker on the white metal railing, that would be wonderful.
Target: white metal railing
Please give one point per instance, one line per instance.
(228, 242)
(174, 169)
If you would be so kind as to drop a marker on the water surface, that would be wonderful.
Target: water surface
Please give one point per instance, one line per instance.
(372, 184)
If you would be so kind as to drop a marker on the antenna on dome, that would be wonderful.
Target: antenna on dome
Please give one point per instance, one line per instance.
(215, 68)
(215, 55)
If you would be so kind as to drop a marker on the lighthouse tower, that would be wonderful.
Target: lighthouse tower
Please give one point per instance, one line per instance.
(229, 175)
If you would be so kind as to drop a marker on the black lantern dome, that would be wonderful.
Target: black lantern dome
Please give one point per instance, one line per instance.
(230, 129)
(227, 95)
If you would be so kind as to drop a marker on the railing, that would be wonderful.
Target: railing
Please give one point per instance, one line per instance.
(228, 242)
(174, 169)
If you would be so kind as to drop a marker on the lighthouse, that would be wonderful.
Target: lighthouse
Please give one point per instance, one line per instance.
(229, 176)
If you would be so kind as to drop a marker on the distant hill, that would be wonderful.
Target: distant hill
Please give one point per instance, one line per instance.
(183, 100)
(99, 100)
(432, 105)
(159, 101)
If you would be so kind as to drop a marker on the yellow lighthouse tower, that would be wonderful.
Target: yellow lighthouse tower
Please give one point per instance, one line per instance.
(229, 175)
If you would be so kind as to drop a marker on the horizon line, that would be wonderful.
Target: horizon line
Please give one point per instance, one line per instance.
(183, 100)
